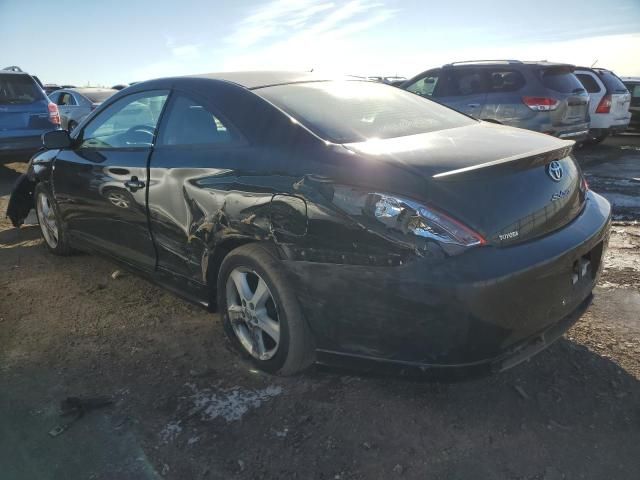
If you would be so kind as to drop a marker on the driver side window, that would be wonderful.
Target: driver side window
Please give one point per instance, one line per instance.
(426, 85)
(130, 122)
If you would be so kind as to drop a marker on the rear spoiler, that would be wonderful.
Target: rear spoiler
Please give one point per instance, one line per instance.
(528, 159)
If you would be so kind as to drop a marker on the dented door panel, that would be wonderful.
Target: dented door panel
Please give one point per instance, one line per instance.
(215, 195)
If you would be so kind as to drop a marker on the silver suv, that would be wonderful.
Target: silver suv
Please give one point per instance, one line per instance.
(542, 96)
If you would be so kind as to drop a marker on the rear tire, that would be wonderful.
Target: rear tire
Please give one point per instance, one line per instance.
(51, 227)
(261, 314)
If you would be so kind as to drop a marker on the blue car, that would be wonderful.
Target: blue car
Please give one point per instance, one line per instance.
(25, 114)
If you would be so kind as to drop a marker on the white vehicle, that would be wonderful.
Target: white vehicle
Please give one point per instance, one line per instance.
(609, 105)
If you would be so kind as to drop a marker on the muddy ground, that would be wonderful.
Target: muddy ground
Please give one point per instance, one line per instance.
(187, 408)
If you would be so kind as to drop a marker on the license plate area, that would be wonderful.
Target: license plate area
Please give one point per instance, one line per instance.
(587, 266)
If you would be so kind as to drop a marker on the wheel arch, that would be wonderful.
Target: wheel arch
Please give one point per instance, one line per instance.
(211, 268)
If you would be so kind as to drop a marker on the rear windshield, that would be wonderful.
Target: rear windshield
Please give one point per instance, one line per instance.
(18, 90)
(99, 97)
(612, 82)
(355, 111)
(561, 80)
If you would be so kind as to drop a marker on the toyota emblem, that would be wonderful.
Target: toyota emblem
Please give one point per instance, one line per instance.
(554, 170)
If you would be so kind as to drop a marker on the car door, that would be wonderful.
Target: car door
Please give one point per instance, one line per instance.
(66, 106)
(503, 102)
(100, 182)
(54, 96)
(82, 108)
(196, 187)
(463, 89)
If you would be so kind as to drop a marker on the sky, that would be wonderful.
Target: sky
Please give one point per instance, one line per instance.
(120, 41)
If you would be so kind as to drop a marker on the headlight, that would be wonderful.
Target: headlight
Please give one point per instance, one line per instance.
(406, 216)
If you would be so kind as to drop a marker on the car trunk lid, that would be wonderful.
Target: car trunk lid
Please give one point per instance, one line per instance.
(620, 103)
(564, 86)
(23, 105)
(510, 185)
(24, 117)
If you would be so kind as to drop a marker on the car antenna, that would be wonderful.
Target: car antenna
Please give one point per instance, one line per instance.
(594, 63)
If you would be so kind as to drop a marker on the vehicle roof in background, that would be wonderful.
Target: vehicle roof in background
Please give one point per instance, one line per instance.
(489, 63)
(612, 82)
(94, 94)
(89, 90)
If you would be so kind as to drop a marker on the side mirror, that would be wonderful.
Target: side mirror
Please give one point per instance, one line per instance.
(56, 139)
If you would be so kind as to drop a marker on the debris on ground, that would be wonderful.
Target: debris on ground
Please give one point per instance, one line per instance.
(76, 408)
(117, 274)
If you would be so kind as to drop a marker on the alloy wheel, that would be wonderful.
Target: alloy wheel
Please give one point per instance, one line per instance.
(253, 313)
(47, 220)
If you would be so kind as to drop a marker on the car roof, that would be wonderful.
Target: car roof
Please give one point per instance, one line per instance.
(630, 79)
(493, 63)
(85, 90)
(259, 79)
(9, 72)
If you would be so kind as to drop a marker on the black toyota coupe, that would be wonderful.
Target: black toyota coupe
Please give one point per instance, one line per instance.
(329, 219)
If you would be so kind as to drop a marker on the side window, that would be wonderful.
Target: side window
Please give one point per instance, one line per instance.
(589, 82)
(466, 81)
(54, 96)
(505, 80)
(128, 123)
(66, 99)
(426, 85)
(189, 122)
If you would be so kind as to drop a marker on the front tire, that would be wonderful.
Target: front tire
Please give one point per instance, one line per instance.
(51, 227)
(261, 314)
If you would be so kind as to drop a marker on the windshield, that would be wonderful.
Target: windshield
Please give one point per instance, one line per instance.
(356, 111)
(99, 97)
(18, 90)
(561, 79)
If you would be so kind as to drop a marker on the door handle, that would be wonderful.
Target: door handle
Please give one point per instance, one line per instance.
(134, 184)
(473, 105)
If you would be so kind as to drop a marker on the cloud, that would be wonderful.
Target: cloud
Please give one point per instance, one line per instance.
(276, 19)
(302, 34)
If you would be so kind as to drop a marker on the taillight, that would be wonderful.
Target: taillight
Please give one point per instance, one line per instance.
(541, 104)
(54, 114)
(605, 105)
(585, 184)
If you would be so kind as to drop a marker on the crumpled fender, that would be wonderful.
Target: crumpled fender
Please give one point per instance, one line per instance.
(21, 200)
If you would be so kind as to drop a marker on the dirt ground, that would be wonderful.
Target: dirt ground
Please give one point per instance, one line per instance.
(185, 407)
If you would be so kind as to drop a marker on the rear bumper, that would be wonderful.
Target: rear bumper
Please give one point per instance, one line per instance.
(578, 133)
(613, 129)
(518, 353)
(488, 308)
